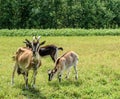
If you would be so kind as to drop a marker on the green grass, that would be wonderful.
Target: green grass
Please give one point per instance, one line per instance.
(60, 32)
(98, 69)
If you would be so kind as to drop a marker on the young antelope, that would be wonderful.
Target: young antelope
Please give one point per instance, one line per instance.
(65, 62)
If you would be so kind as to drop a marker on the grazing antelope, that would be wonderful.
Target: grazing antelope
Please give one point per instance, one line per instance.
(51, 50)
(65, 62)
(27, 59)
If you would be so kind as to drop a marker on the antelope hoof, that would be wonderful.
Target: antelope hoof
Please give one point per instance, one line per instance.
(12, 83)
(26, 87)
(76, 77)
(33, 86)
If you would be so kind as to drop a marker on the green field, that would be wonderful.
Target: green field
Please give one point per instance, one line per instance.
(98, 69)
(60, 32)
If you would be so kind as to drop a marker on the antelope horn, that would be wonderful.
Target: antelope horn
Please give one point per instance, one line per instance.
(34, 37)
(38, 38)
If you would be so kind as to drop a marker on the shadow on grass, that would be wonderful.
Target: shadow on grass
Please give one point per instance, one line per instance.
(67, 82)
(31, 93)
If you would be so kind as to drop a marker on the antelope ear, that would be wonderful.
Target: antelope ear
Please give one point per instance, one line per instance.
(27, 40)
(24, 42)
(42, 43)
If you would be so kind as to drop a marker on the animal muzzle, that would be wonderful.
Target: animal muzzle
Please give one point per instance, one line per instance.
(34, 53)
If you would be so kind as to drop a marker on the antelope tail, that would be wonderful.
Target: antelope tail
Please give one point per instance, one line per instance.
(60, 48)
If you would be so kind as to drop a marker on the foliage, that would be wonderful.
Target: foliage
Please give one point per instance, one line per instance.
(98, 69)
(59, 32)
(42, 14)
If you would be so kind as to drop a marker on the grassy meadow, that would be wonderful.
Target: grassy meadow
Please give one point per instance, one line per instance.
(98, 69)
(60, 32)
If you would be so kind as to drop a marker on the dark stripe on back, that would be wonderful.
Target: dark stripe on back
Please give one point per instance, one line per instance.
(57, 61)
(60, 57)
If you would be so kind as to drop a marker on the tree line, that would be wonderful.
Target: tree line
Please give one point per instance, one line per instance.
(42, 14)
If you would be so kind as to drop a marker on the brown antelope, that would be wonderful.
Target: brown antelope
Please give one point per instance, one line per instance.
(51, 50)
(64, 62)
(27, 59)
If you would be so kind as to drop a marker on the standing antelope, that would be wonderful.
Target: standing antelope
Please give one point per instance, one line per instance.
(51, 50)
(27, 59)
(64, 62)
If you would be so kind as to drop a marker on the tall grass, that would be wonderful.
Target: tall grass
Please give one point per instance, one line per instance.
(60, 32)
(98, 69)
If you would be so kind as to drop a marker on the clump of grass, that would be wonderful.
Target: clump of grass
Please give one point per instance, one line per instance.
(59, 32)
